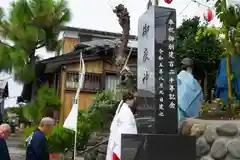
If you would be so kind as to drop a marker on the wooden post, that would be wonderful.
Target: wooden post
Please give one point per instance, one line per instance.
(62, 94)
(229, 77)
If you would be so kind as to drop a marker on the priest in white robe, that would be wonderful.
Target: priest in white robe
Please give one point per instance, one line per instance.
(123, 123)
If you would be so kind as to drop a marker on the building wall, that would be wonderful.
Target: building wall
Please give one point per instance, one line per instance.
(85, 98)
(68, 44)
(111, 67)
(69, 84)
(90, 66)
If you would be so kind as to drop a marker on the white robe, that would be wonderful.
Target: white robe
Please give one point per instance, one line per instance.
(123, 123)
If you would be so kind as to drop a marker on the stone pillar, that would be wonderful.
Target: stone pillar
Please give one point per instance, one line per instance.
(157, 87)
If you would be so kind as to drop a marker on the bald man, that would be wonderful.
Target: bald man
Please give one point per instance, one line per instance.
(5, 132)
(37, 148)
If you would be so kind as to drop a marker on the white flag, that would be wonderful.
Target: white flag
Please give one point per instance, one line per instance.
(71, 120)
(123, 123)
(232, 3)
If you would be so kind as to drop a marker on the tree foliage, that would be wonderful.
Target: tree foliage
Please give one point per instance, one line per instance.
(46, 97)
(60, 140)
(98, 114)
(229, 16)
(204, 49)
(30, 25)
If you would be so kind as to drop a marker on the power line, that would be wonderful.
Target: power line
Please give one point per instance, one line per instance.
(201, 4)
(185, 8)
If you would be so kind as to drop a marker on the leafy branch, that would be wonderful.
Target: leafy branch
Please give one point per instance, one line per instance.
(46, 98)
(30, 25)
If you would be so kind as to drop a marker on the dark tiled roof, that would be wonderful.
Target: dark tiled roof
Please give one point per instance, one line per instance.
(91, 31)
(90, 49)
(104, 43)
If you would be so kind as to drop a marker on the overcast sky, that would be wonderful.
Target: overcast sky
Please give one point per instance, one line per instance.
(98, 15)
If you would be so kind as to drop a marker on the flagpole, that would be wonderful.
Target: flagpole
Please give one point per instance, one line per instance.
(75, 145)
(77, 98)
(71, 120)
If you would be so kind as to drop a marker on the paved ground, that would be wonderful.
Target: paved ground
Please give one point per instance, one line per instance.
(16, 147)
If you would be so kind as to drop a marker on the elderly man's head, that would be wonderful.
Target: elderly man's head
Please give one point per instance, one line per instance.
(5, 131)
(46, 125)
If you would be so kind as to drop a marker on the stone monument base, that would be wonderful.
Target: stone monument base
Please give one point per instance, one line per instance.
(158, 146)
(216, 139)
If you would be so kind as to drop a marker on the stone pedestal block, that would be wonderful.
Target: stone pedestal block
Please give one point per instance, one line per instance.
(158, 146)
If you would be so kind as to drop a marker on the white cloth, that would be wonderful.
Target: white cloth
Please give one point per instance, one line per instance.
(71, 120)
(123, 123)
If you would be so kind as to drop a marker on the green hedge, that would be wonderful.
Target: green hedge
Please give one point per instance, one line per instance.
(60, 139)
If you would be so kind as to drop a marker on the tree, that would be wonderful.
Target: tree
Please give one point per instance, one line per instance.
(46, 99)
(30, 25)
(96, 118)
(204, 49)
(229, 16)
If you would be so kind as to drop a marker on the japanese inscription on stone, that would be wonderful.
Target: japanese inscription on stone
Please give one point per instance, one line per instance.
(161, 82)
(145, 69)
(165, 73)
(145, 31)
(172, 93)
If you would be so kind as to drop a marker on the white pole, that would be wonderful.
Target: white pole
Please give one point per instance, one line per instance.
(77, 98)
(75, 145)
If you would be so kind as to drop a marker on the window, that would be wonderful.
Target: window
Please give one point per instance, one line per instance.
(112, 81)
(92, 81)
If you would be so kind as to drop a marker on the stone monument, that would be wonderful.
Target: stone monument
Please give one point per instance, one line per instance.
(156, 66)
(157, 92)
